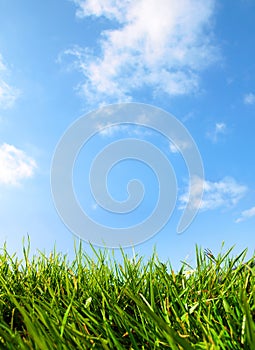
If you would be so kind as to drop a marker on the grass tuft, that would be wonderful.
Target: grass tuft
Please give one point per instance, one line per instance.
(51, 303)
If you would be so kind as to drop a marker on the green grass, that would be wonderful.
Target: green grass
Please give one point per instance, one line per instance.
(51, 303)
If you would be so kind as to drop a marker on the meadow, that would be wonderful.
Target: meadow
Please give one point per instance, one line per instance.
(48, 302)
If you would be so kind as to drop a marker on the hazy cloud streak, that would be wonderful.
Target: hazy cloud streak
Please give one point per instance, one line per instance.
(8, 94)
(246, 214)
(224, 193)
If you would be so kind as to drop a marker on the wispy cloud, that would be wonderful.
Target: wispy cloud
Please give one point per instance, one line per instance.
(219, 129)
(106, 130)
(15, 165)
(181, 146)
(246, 214)
(8, 94)
(160, 44)
(249, 99)
(2, 65)
(224, 193)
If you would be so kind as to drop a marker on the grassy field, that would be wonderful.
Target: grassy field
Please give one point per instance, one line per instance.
(51, 303)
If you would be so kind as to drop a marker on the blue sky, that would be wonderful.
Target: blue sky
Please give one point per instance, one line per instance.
(61, 59)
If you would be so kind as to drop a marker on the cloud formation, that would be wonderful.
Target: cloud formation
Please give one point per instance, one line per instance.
(181, 146)
(246, 214)
(249, 99)
(219, 129)
(224, 193)
(15, 165)
(157, 44)
(8, 94)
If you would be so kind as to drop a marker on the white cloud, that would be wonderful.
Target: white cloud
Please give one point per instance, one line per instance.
(108, 8)
(108, 130)
(182, 145)
(219, 129)
(160, 44)
(246, 214)
(8, 94)
(15, 165)
(249, 99)
(224, 193)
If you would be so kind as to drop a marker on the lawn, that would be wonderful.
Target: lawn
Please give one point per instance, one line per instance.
(48, 302)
